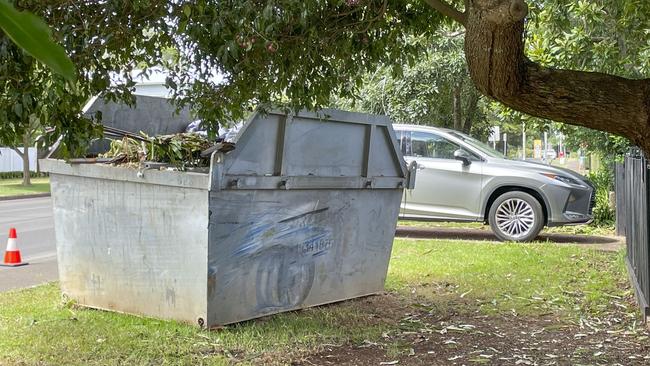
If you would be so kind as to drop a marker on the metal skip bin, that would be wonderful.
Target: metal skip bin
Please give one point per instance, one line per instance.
(301, 213)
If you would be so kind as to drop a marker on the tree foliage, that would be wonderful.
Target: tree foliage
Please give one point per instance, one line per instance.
(435, 90)
(286, 51)
(608, 36)
(31, 34)
(105, 40)
(230, 56)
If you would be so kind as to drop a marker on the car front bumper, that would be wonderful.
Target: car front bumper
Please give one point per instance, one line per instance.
(569, 205)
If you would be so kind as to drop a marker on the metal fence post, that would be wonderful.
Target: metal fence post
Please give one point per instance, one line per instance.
(621, 208)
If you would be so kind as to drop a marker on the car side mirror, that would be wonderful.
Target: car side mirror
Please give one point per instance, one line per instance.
(463, 156)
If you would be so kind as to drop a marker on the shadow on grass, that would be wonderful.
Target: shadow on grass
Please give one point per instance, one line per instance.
(486, 235)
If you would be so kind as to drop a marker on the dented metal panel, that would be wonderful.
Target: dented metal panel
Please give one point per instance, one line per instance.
(132, 247)
(308, 221)
(273, 251)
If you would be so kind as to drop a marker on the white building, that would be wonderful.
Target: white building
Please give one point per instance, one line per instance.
(12, 162)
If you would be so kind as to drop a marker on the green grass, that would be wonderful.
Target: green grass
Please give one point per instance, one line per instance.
(494, 277)
(37, 328)
(14, 187)
(607, 230)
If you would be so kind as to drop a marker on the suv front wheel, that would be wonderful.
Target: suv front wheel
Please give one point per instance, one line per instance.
(516, 216)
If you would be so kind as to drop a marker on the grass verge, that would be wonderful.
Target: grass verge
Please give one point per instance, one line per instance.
(35, 328)
(14, 187)
(529, 279)
(485, 277)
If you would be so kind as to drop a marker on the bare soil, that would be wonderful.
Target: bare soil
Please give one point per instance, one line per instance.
(423, 335)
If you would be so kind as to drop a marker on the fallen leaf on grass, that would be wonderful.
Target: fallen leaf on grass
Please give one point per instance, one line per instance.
(460, 328)
(523, 362)
(389, 362)
(367, 343)
(479, 360)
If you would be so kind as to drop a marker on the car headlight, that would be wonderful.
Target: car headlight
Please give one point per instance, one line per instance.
(562, 178)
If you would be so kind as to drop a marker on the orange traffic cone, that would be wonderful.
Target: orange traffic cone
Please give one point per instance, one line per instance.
(12, 255)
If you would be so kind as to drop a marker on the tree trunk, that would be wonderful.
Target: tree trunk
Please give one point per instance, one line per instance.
(457, 112)
(494, 49)
(470, 110)
(25, 157)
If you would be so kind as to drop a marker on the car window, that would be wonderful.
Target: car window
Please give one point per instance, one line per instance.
(400, 139)
(404, 141)
(482, 147)
(429, 145)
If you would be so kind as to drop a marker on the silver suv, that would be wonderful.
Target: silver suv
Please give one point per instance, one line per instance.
(462, 179)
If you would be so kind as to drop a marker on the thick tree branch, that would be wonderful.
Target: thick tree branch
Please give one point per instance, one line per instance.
(494, 49)
(599, 101)
(448, 10)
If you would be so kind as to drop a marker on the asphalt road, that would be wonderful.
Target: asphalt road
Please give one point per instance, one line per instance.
(32, 218)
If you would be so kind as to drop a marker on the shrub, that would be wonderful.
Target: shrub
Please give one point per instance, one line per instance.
(16, 175)
(603, 181)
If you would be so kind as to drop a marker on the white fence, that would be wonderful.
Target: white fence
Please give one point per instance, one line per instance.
(11, 162)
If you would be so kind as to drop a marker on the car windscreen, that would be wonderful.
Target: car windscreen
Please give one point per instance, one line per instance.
(482, 147)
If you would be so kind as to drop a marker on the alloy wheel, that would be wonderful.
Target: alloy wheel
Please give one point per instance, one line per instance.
(515, 217)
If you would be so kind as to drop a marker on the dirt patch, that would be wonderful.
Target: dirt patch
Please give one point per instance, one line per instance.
(426, 337)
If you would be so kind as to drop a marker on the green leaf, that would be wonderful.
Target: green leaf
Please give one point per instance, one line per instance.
(18, 109)
(32, 34)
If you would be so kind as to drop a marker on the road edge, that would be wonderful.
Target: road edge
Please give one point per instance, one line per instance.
(24, 196)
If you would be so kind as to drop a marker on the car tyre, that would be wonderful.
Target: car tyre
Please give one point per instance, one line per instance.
(516, 216)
